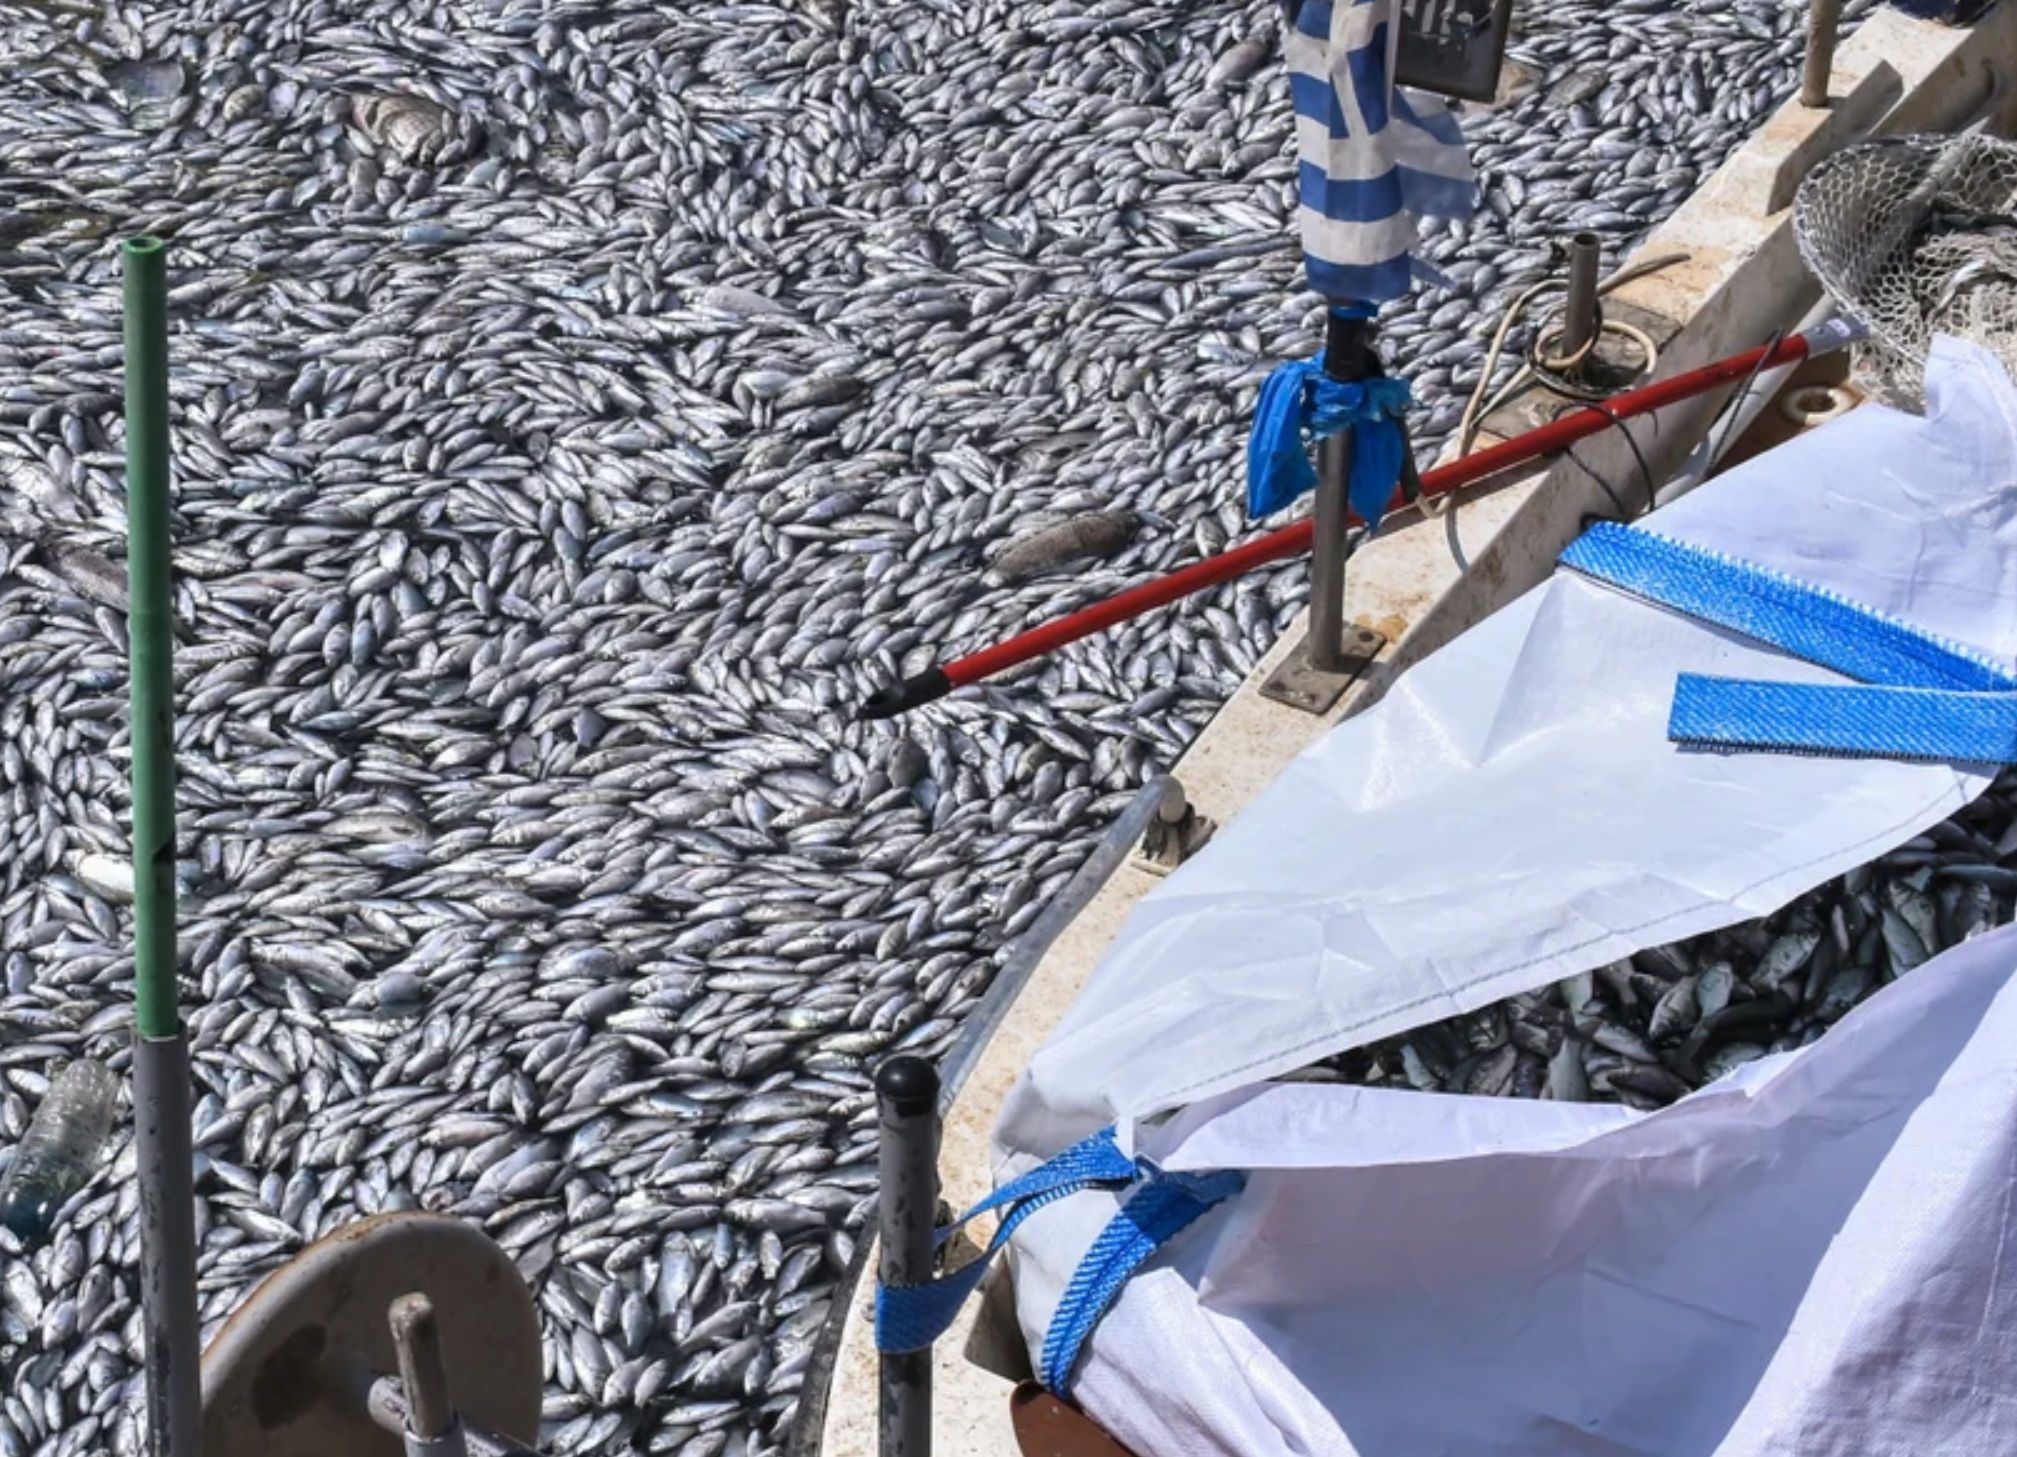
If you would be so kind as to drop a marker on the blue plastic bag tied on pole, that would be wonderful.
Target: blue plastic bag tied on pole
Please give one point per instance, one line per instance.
(1301, 405)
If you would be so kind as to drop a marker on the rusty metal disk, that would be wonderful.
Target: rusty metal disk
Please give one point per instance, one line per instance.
(289, 1370)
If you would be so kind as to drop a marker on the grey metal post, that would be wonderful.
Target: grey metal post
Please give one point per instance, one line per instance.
(431, 1427)
(907, 1101)
(1327, 562)
(1348, 355)
(1579, 313)
(166, 1160)
(1824, 24)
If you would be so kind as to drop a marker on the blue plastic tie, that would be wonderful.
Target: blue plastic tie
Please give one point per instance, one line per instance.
(1923, 698)
(1301, 405)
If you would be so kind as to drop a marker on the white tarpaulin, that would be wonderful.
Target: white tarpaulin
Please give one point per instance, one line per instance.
(1512, 812)
(1416, 1274)
(1805, 1259)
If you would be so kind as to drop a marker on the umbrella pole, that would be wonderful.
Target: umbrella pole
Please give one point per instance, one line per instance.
(161, 1089)
(1348, 358)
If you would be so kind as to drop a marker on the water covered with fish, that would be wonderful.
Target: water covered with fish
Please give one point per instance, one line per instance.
(578, 409)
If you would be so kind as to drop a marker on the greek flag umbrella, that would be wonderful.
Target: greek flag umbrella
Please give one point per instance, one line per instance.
(1376, 158)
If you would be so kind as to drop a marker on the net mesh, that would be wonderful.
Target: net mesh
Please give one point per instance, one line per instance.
(1916, 236)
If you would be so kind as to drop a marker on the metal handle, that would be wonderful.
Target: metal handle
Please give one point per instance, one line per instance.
(431, 1429)
(907, 1101)
(385, 1399)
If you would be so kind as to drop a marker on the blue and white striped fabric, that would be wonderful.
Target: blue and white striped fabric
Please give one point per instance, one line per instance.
(1376, 158)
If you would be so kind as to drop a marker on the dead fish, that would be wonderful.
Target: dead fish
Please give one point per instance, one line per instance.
(1095, 534)
(1238, 63)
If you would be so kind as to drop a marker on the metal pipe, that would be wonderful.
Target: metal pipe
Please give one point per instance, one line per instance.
(431, 1428)
(976, 1034)
(1738, 415)
(161, 1053)
(166, 1165)
(1331, 520)
(1348, 357)
(1480, 465)
(1579, 313)
(907, 1103)
(151, 633)
(1824, 24)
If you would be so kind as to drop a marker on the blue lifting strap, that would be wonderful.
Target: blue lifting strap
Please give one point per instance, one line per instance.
(1921, 697)
(1153, 1215)
(911, 1317)
(1301, 405)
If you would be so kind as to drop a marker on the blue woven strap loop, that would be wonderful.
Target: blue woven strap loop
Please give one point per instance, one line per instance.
(911, 1317)
(1798, 619)
(1152, 1216)
(1301, 405)
(1923, 699)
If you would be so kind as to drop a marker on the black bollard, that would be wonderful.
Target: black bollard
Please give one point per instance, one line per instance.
(907, 1099)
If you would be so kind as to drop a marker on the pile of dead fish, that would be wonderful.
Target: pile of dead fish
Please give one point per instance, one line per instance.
(1663, 1022)
(579, 407)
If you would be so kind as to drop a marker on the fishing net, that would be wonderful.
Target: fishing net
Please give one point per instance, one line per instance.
(1916, 236)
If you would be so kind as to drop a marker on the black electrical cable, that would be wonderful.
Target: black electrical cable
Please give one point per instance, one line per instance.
(1743, 392)
(1638, 455)
(1617, 502)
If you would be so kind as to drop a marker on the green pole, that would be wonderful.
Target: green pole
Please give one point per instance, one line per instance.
(151, 634)
(161, 1086)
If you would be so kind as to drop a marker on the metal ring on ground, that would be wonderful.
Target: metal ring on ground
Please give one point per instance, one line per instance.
(1815, 404)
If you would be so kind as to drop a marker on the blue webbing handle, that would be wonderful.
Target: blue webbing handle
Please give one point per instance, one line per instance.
(911, 1317)
(1804, 621)
(1153, 1215)
(1892, 723)
(1921, 698)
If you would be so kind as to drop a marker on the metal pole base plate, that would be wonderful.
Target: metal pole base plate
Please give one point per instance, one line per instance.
(1301, 686)
(1176, 833)
(288, 1372)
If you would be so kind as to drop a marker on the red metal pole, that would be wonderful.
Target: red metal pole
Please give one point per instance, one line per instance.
(1291, 540)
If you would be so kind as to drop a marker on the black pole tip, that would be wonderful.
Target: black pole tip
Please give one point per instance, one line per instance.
(907, 1085)
(1349, 352)
(913, 692)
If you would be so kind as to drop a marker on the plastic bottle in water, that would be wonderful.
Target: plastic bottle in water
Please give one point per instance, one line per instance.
(60, 1149)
